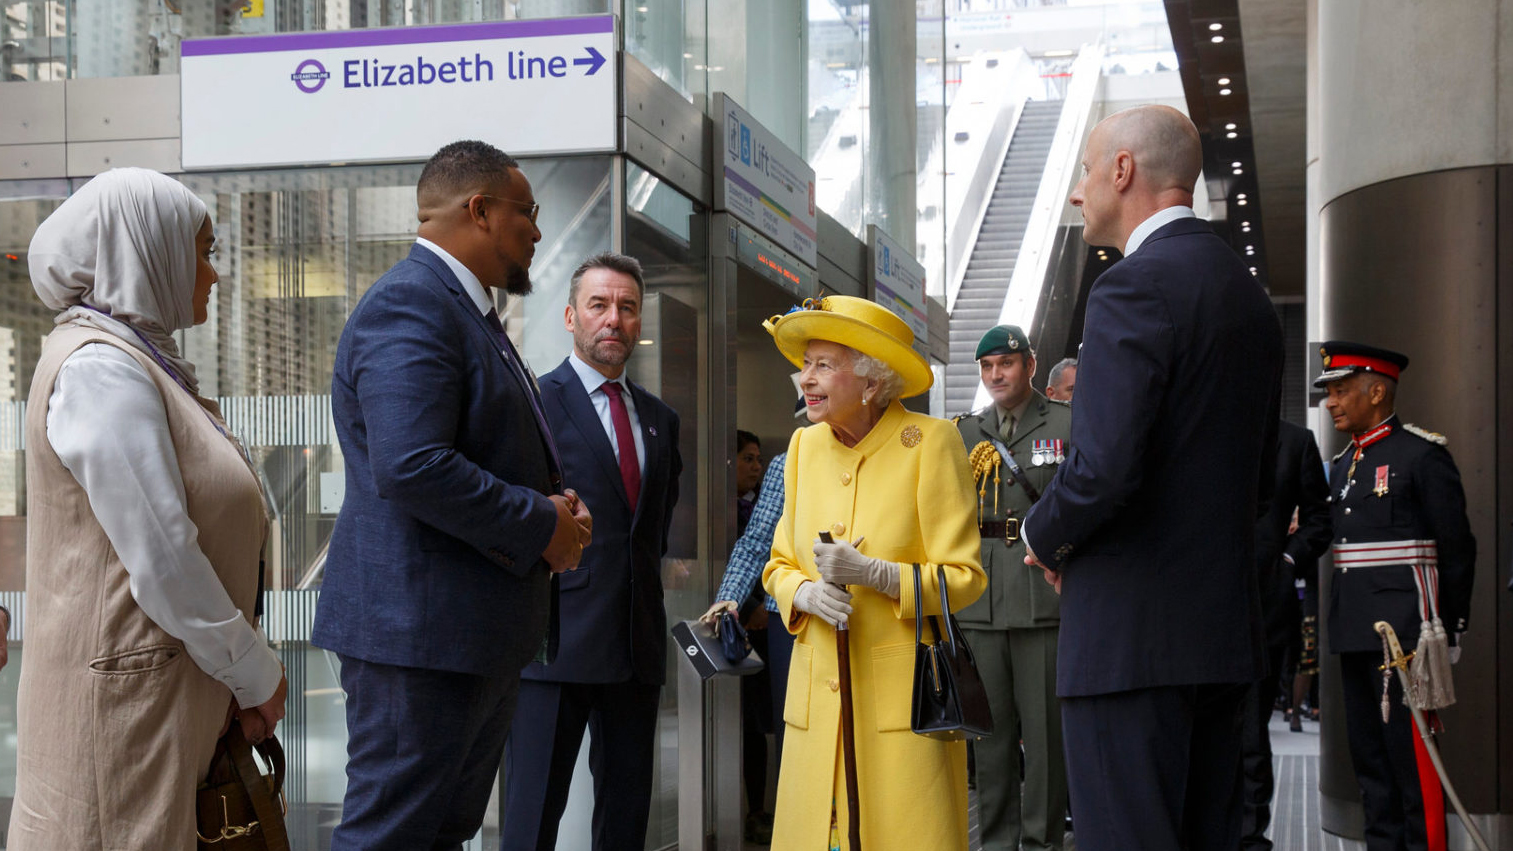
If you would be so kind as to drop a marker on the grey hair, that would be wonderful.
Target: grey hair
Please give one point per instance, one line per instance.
(622, 263)
(1061, 366)
(889, 383)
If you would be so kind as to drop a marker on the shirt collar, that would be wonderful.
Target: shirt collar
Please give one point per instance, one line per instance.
(1373, 434)
(592, 378)
(1017, 412)
(470, 283)
(1142, 231)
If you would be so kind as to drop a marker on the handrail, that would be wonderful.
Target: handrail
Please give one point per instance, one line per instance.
(1022, 298)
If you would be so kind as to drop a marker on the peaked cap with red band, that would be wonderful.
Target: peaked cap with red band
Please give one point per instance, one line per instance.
(1343, 359)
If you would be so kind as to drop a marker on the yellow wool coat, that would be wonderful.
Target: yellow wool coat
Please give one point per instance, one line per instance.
(906, 487)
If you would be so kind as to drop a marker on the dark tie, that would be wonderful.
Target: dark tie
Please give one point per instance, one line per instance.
(510, 356)
(630, 468)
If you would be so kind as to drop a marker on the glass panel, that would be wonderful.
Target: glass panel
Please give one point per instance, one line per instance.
(666, 232)
(668, 36)
(836, 127)
(32, 42)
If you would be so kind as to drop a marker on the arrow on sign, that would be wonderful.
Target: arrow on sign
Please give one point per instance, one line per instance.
(595, 61)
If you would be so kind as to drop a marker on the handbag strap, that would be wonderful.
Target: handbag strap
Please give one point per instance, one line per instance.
(952, 637)
(919, 617)
(270, 815)
(919, 636)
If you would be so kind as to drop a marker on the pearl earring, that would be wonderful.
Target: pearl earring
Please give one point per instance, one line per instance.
(864, 401)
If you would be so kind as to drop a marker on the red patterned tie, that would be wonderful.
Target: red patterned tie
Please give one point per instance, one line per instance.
(630, 468)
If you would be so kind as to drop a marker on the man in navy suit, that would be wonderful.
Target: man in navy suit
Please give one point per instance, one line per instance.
(1281, 557)
(620, 452)
(436, 585)
(1148, 529)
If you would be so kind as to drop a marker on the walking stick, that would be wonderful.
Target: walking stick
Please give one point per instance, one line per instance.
(848, 736)
(1396, 659)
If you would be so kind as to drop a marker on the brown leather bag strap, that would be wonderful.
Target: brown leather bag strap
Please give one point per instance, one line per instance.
(265, 803)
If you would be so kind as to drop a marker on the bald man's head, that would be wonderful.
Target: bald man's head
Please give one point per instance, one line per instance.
(1137, 162)
(1168, 153)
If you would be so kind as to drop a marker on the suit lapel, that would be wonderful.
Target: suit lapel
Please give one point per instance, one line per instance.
(650, 436)
(578, 412)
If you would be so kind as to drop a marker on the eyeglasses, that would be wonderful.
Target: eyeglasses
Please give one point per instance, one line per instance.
(531, 210)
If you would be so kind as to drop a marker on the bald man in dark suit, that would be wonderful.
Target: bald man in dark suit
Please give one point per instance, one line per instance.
(1148, 529)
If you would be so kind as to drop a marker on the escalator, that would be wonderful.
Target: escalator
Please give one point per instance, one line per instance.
(980, 300)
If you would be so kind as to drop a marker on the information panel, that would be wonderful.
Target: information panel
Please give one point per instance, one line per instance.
(383, 95)
(899, 282)
(762, 183)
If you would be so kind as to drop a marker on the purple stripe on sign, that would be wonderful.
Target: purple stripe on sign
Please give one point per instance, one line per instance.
(735, 177)
(336, 39)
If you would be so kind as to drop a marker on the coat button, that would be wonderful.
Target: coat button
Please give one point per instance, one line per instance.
(1347, 510)
(835, 685)
(1352, 481)
(838, 529)
(845, 478)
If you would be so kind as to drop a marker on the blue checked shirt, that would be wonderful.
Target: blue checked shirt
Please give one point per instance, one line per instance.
(754, 549)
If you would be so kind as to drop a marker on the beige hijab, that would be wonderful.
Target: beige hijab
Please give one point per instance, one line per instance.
(124, 245)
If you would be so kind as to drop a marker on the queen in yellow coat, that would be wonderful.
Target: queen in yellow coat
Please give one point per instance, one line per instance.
(893, 489)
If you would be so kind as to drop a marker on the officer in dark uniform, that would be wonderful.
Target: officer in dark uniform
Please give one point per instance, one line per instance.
(1403, 552)
(1014, 446)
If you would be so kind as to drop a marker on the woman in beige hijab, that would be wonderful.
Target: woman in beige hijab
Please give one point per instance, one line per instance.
(145, 527)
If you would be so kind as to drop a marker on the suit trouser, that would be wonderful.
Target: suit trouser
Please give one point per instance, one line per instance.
(779, 655)
(543, 749)
(423, 749)
(1260, 781)
(1385, 766)
(1156, 769)
(1018, 668)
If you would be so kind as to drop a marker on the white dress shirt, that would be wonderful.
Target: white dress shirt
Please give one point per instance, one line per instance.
(470, 283)
(1160, 218)
(107, 423)
(593, 380)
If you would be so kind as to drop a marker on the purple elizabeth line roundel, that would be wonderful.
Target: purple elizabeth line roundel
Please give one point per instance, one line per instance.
(310, 76)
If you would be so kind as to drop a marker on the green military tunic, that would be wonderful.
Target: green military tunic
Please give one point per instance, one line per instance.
(1012, 630)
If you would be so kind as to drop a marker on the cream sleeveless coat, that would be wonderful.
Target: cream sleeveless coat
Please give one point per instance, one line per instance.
(116, 723)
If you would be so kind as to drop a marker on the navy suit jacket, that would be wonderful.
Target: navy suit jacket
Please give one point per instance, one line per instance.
(435, 561)
(1299, 485)
(613, 625)
(1151, 519)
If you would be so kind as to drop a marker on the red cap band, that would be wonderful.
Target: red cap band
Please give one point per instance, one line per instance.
(1353, 361)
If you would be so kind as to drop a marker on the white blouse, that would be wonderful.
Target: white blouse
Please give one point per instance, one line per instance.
(107, 423)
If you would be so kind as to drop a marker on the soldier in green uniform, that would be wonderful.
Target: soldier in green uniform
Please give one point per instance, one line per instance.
(1014, 446)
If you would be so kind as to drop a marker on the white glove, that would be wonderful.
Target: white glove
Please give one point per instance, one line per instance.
(842, 564)
(1455, 648)
(829, 603)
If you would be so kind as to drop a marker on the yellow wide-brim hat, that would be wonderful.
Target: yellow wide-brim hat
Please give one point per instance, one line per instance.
(866, 326)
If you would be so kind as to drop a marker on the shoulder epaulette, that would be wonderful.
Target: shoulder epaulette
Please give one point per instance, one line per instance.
(1062, 402)
(1431, 436)
(1340, 454)
(963, 415)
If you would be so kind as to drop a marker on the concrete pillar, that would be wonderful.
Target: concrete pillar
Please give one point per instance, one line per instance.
(1411, 182)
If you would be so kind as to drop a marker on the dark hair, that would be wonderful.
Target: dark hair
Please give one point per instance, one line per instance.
(469, 164)
(744, 438)
(622, 263)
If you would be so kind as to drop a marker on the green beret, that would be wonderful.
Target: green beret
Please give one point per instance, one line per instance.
(1003, 340)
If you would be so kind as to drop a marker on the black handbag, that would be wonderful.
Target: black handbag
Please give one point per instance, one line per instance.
(950, 702)
(735, 644)
(238, 808)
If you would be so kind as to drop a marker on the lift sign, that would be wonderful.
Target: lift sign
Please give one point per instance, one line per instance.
(398, 94)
